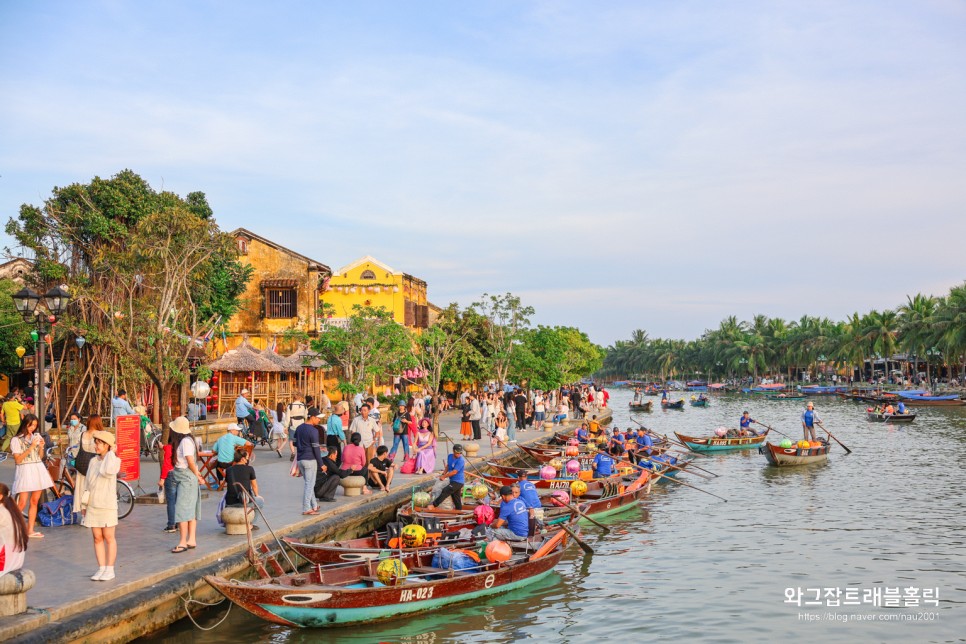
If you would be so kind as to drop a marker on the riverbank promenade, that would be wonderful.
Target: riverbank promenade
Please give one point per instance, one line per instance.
(152, 583)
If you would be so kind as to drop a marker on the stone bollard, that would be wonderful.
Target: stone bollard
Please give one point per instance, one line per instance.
(233, 517)
(13, 591)
(352, 485)
(471, 449)
(548, 426)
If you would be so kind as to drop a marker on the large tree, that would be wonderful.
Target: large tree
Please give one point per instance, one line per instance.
(506, 320)
(149, 272)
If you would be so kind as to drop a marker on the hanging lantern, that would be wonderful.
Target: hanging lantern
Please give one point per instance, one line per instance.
(20, 351)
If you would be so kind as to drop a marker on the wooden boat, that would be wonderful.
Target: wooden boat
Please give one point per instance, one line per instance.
(641, 406)
(351, 593)
(882, 417)
(677, 404)
(925, 400)
(788, 456)
(721, 444)
(818, 390)
(373, 546)
(699, 402)
(784, 395)
(563, 483)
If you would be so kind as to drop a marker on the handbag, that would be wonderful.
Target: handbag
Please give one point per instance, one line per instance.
(82, 461)
(408, 467)
(295, 469)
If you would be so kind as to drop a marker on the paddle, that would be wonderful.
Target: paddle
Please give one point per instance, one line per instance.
(847, 450)
(692, 465)
(575, 509)
(580, 542)
(450, 440)
(676, 467)
(682, 483)
(771, 429)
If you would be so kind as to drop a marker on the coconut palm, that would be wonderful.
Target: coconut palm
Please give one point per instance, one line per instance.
(916, 331)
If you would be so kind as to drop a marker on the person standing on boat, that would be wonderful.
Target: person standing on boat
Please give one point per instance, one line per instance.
(455, 472)
(809, 418)
(745, 423)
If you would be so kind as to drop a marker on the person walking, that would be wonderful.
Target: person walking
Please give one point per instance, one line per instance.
(296, 416)
(400, 430)
(99, 504)
(30, 476)
(309, 457)
(520, 402)
(188, 479)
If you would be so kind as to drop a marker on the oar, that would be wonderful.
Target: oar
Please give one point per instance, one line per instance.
(676, 467)
(450, 440)
(523, 453)
(690, 464)
(682, 483)
(580, 542)
(847, 450)
(771, 429)
(575, 509)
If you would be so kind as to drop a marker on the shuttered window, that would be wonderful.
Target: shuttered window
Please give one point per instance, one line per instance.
(281, 303)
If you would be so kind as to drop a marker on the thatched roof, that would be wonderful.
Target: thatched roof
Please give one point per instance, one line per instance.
(305, 357)
(284, 364)
(244, 358)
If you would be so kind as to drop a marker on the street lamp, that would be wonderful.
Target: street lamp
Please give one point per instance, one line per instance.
(26, 302)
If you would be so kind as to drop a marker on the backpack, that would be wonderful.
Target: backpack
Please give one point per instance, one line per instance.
(56, 513)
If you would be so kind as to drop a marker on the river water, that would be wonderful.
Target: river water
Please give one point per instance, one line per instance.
(687, 566)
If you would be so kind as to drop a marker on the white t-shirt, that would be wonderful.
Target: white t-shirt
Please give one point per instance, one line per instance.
(185, 448)
(366, 429)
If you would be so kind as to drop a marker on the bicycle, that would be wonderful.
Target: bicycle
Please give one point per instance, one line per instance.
(64, 483)
(153, 448)
(273, 441)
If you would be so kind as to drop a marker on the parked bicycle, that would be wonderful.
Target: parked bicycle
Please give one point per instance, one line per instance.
(62, 464)
(153, 447)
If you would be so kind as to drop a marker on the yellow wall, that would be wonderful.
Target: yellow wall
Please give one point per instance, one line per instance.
(387, 290)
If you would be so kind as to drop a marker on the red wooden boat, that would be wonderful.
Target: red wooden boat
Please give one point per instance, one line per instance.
(786, 456)
(351, 593)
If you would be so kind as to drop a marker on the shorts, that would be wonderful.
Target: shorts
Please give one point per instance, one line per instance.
(540, 415)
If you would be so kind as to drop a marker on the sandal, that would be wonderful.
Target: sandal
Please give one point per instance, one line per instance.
(310, 512)
(178, 550)
(36, 535)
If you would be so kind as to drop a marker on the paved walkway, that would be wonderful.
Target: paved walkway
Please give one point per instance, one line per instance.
(64, 560)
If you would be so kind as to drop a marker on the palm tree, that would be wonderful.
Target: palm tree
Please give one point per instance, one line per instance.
(916, 332)
(880, 331)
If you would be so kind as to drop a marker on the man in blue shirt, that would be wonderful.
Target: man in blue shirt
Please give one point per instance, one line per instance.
(529, 496)
(225, 446)
(512, 524)
(455, 472)
(603, 465)
(583, 433)
(645, 446)
(243, 408)
(745, 423)
(809, 418)
(121, 407)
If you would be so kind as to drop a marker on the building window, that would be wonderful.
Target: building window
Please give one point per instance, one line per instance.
(281, 303)
(242, 246)
(368, 275)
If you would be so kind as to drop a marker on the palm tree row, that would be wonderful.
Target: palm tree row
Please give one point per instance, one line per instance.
(930, 331)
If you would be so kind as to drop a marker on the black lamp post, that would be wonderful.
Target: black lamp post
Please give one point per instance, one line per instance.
(55, 301)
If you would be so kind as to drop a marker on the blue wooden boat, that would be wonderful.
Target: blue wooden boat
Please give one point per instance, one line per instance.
(677, 404)
(925, 400)
(699, 402)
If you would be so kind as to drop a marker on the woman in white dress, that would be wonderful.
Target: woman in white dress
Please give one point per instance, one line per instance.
(31, 477)
(100, 503)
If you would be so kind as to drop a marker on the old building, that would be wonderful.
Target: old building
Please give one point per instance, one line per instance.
(369, 282)
(16, 269)
(282, 295)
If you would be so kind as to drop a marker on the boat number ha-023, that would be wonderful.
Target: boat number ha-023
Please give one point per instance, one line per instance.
(409, 594)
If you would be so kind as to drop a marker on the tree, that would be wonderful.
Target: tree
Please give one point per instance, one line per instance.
(506, 320)
(371, 345)
(148, 271)
(14, 332)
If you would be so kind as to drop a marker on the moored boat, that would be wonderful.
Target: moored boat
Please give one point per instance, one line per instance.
(356, 592)
(721, 443)
(794, 455)
(926, 400)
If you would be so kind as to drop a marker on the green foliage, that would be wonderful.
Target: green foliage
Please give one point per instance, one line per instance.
(505, 320)
(552, 356)
(372, 345)
(14, 332)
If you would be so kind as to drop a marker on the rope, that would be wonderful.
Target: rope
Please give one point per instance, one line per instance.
(191, 600)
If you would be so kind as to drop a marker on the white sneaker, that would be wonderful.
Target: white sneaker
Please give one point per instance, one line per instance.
(107, 575)
(97, 575)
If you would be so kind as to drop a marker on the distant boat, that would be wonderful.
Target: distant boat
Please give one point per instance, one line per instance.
(677, 404)
(925, 400)
(880, 417)
(641, 405)
(786, 456)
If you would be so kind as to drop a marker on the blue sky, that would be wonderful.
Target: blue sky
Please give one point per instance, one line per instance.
(618, 165)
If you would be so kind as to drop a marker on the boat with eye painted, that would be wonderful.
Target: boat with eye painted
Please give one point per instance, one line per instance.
(355, 593)
(794, 455)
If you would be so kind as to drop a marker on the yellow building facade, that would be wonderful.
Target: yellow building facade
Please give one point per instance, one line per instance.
(369, 282)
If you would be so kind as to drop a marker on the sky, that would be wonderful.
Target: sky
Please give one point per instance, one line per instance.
(654, 165)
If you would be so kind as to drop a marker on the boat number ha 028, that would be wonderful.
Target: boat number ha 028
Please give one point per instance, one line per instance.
(409, 594)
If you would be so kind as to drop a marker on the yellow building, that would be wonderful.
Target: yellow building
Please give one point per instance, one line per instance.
(282, 295)
(369, 282)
